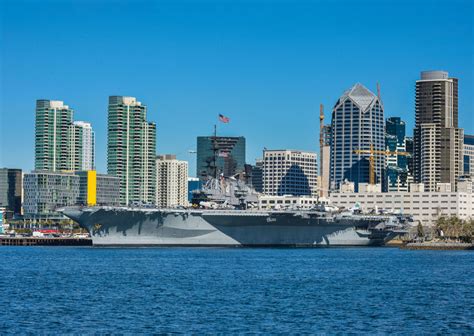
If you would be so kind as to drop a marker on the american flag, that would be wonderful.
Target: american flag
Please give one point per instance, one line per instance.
(223, 118)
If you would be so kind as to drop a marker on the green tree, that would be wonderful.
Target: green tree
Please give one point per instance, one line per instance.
(456, 228)
(441, 226)
(420, 232)
(467, 232)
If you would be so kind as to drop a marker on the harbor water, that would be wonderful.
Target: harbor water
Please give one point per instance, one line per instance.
(77, 290)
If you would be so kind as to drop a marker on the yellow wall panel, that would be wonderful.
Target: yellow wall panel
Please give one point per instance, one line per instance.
(91, 187)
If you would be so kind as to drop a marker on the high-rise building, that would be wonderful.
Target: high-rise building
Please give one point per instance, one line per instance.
(289, 172)
(468, 155)
(396, 127)
(83, 146)
(60, 142)
(218, 155)
(397, 169)
(437, 139)
(357, 124)
(11, 189)
(171, 181)
(131, 150)
(53, 136)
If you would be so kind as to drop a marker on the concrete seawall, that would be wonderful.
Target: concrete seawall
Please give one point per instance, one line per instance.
(438, 246)
(37, 241)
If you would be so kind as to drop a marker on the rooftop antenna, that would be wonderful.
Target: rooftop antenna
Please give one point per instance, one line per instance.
(378, 90)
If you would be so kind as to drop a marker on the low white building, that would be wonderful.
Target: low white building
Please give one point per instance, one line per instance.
(367, 187)
(425, 207)
(266, 202)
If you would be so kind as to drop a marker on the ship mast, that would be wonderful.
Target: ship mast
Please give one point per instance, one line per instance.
(215, 150)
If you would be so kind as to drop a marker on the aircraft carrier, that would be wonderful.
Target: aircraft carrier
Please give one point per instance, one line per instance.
(224, 214)
(139, 226)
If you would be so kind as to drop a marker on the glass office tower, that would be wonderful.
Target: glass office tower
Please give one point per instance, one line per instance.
(397, 165)
(220, 155)
(357, 124)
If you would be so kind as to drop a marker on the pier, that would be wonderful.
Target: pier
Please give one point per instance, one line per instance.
(45, 241)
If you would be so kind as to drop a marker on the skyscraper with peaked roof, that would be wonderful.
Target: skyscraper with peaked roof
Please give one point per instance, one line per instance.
(437, 139)
(357, 124)
(131, 150)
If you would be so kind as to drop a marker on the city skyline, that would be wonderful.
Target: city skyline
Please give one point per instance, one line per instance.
(257, 92)
(237, 166)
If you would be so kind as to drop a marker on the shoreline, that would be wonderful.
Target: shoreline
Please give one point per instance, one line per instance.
(437, 246)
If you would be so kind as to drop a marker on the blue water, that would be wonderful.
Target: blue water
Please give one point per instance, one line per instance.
(168, 290)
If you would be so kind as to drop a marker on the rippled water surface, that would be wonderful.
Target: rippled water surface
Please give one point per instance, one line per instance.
(166, 290)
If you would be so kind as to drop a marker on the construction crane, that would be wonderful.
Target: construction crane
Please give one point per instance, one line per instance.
(322, 187)
(372, 152)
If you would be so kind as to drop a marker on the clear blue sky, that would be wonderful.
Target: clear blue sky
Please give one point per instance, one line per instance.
(267, 65)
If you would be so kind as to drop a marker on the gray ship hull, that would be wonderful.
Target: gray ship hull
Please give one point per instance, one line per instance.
(169, 227)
